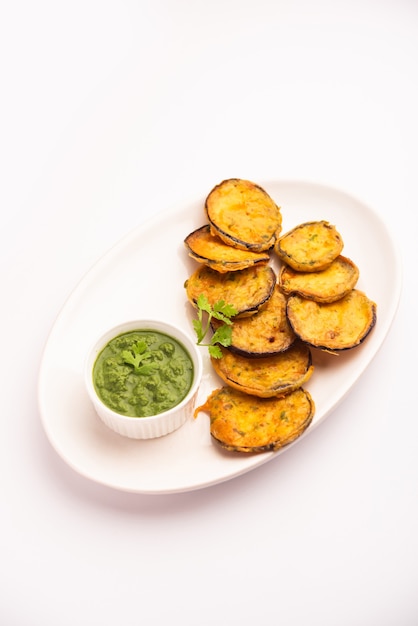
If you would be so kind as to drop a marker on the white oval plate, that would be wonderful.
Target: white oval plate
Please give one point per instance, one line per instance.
(143, 277)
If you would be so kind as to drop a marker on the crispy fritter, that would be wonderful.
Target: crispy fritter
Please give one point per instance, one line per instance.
(243, 423)
(310, 246)
(243, 215)
(266, 333)
(332, 326)
(205, 248)
(247, 290)
(328, 285)
(269, 376)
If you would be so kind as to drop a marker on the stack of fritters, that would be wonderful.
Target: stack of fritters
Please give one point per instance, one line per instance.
(323, 307)
(312, 302)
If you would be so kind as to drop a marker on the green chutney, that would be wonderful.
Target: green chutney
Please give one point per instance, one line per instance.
(143, 372)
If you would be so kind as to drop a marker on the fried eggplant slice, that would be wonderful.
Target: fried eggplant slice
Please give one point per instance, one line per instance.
(332, 326)
(266, 333)
(310, 247)
(243, 215)
(243, 423)
(205, 248)
(328, 285)
(266, 377)
(247, 290)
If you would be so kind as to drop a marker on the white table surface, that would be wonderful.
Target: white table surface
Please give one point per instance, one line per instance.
(114, 111)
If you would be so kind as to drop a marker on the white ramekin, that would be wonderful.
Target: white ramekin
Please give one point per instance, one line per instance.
(155, 425)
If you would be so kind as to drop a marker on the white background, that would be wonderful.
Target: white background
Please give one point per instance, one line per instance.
(110, 112)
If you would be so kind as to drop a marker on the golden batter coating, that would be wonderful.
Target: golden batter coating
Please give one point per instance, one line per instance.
(243, 423)
(266, 333)
(243, 215)
(205, 248)
(328, 285)
(332, 326)
(247, 290)
(269, 376)
(310, 246)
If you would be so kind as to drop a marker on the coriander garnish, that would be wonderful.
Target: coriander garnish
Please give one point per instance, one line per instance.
(223, 335)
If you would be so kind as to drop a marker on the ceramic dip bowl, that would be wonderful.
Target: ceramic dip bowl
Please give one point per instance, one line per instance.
(142, 377)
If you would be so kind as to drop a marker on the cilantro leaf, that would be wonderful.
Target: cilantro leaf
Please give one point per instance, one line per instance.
(223, 335)
(215, 352)
(220, 311)
(203, 304)
(137, 356)
(197, 325)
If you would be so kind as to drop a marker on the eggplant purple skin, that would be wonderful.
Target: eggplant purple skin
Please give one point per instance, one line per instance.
(235, 240)
(308, 365)
(255, 355)
(196, 256)
(239, 450)
(254, 309)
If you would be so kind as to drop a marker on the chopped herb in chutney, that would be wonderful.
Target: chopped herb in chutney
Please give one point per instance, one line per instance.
(142, 373)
